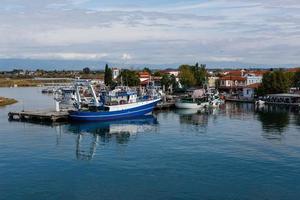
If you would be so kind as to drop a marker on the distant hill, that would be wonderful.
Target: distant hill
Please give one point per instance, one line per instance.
(33, 64)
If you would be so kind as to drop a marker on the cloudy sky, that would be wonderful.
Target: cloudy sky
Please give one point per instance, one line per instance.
(152, 31)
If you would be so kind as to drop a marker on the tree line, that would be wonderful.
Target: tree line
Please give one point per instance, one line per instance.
(127, 77)
(193, 75)
(189, 76)
(274, 81)
(278, 81)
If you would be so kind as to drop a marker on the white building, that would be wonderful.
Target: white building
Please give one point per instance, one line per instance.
(253, 78)
(212, 81)
(249, 90)
(115, 72)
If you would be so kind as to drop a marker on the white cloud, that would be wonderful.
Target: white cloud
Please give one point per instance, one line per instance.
(63, 56)
(126, 56)
(216, 30)
(224, 59)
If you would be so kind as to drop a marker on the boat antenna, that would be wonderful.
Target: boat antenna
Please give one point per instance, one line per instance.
(121, 80)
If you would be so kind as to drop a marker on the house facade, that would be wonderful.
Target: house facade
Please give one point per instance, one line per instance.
(253, 78)
(249, 90)
(212, 81)
(241, 81)
(230, 83)
(146, 78)
(115, 72)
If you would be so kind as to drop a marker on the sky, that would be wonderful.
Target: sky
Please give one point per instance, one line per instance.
(152, 31)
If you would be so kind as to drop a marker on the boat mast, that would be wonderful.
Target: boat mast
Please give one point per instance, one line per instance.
(96, 102)
(78, 98)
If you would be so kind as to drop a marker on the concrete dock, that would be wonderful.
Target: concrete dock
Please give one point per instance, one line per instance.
(42, 116)
(61, 116)
(239, 100)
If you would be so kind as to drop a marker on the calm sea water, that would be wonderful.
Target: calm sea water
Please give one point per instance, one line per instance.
(231, 153)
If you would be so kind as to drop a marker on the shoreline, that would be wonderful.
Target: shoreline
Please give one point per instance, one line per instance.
(7, 101)
(9, 83)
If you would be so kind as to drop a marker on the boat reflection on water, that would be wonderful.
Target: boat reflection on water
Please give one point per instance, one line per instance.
(274, 120)
(92, 133)
(193, 116)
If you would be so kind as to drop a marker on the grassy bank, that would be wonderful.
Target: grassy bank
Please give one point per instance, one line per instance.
(6, 101)
(5, 82)
(18, 82)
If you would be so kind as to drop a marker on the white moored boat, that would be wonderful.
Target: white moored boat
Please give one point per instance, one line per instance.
(195, 101)
(190, 104)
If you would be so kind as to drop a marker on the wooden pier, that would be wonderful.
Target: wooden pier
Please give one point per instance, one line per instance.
(39, 116)
(239, 100)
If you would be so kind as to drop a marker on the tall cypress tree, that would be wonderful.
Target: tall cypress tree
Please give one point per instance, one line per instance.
(107, 76)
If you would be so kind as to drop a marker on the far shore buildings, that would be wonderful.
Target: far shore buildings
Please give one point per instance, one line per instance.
(174, 72)
(212, 81)
(242, 82)
(249, 90)
(229, 83)
(115, 72)
(146, 78)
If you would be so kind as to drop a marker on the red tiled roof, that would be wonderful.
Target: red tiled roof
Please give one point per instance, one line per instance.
(253, 86)
(144, 74)
(235, 72)
(233, 78)
(258, 72)
(293, 70)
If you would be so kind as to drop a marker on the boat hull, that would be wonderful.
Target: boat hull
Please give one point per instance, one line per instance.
(132, 112)
(182, 105)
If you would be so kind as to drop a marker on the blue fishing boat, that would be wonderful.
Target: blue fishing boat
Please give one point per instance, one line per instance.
(121, 103)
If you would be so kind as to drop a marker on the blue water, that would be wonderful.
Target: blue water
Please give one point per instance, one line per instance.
(231, 153)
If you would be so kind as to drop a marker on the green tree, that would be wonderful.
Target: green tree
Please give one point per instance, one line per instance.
(186, 76)
(86, 70)
(129, 78)
(297, 79)
(274, 82)
(201, 75)
(108, 76)
(291, 78)
(157, 73)
(146, 69)
(169, 80)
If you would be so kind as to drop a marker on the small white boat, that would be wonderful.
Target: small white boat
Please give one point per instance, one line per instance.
(190, 103)
(194, 100)
(260, 102)
(215, 103)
